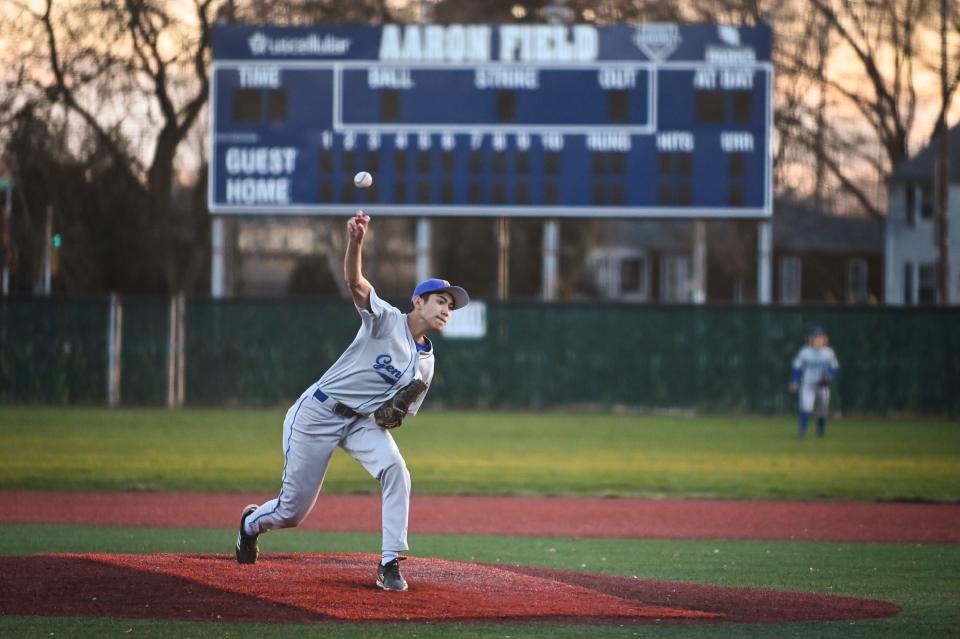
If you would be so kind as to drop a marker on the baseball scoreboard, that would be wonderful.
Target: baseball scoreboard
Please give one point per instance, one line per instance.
(656, 120)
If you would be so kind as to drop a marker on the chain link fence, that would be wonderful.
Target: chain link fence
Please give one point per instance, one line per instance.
(533, 356)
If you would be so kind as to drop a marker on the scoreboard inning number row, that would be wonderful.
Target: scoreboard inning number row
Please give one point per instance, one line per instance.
(537, 120)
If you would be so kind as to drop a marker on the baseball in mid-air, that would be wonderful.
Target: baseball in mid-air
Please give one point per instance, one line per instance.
(362, 180)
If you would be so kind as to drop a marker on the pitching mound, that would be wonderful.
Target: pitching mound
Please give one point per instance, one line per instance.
(301, 588)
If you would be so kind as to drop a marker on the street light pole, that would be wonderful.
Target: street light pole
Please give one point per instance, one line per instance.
(7, 259)
(47, 278)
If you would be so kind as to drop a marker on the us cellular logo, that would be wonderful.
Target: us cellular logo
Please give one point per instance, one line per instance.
(313, 44)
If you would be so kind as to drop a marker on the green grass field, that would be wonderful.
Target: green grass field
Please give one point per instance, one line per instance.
(518, 453)
(493, 453)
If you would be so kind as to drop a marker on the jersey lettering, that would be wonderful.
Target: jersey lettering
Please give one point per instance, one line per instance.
(385, 369)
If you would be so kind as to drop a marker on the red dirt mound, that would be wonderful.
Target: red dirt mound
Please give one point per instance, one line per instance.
(733, 604)
(305, 588)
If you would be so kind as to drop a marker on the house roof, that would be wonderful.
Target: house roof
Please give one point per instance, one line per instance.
(921, 166)
(795, 228)
(649, 234)
(800, 228)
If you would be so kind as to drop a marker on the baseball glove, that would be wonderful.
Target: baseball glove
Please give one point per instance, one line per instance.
(391, 414)
(825, 383)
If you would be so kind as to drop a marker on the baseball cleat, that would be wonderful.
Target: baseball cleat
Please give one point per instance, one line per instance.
(389, 577)
(247, 548)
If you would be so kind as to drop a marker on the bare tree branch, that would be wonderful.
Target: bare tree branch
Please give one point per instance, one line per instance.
(190, 111)
(64, 91)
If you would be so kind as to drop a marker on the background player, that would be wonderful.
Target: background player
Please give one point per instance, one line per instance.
(389, 352)
(814, 368)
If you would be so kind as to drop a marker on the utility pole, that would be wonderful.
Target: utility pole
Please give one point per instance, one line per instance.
(943, 167)
(7, 259)
(47, 278)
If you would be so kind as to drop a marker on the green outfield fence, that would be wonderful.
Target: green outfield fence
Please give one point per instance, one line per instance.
(265, 352)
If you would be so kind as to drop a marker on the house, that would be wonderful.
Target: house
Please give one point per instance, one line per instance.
(912, 228)
(818, 258)
(640, 261)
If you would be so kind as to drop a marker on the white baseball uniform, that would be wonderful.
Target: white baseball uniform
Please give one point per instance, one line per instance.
(815, 365)
(337, 411)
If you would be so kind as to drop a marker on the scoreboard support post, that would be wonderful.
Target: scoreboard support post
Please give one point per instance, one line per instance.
(551, 252)
(216, 257)
(503, 258)
(764, 259)
(424, 247)
(699, 292)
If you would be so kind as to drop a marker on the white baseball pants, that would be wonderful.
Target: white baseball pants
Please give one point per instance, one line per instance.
(311, 432)
(814, 397)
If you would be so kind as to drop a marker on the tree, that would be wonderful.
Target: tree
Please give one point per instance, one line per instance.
(128, 82)
(304, 12)
(597, 11)
(852, 78)
(874, 74)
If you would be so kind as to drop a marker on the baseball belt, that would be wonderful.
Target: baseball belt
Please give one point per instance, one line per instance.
(338, 408)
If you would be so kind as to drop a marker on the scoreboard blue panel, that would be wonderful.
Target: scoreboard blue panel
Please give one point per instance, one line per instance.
(655, 120)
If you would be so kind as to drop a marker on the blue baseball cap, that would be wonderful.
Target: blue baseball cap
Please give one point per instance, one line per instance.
(817, 331)
(435, 285)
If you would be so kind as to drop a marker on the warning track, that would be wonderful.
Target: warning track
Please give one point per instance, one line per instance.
(526, 516)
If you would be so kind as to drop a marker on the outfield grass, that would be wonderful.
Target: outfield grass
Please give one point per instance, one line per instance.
(493, 453)
(923, 579)
(518, 453)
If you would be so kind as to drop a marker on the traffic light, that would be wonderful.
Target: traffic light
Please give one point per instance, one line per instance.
(56, 242)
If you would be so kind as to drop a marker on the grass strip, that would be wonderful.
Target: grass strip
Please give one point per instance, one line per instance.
(493, 453)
